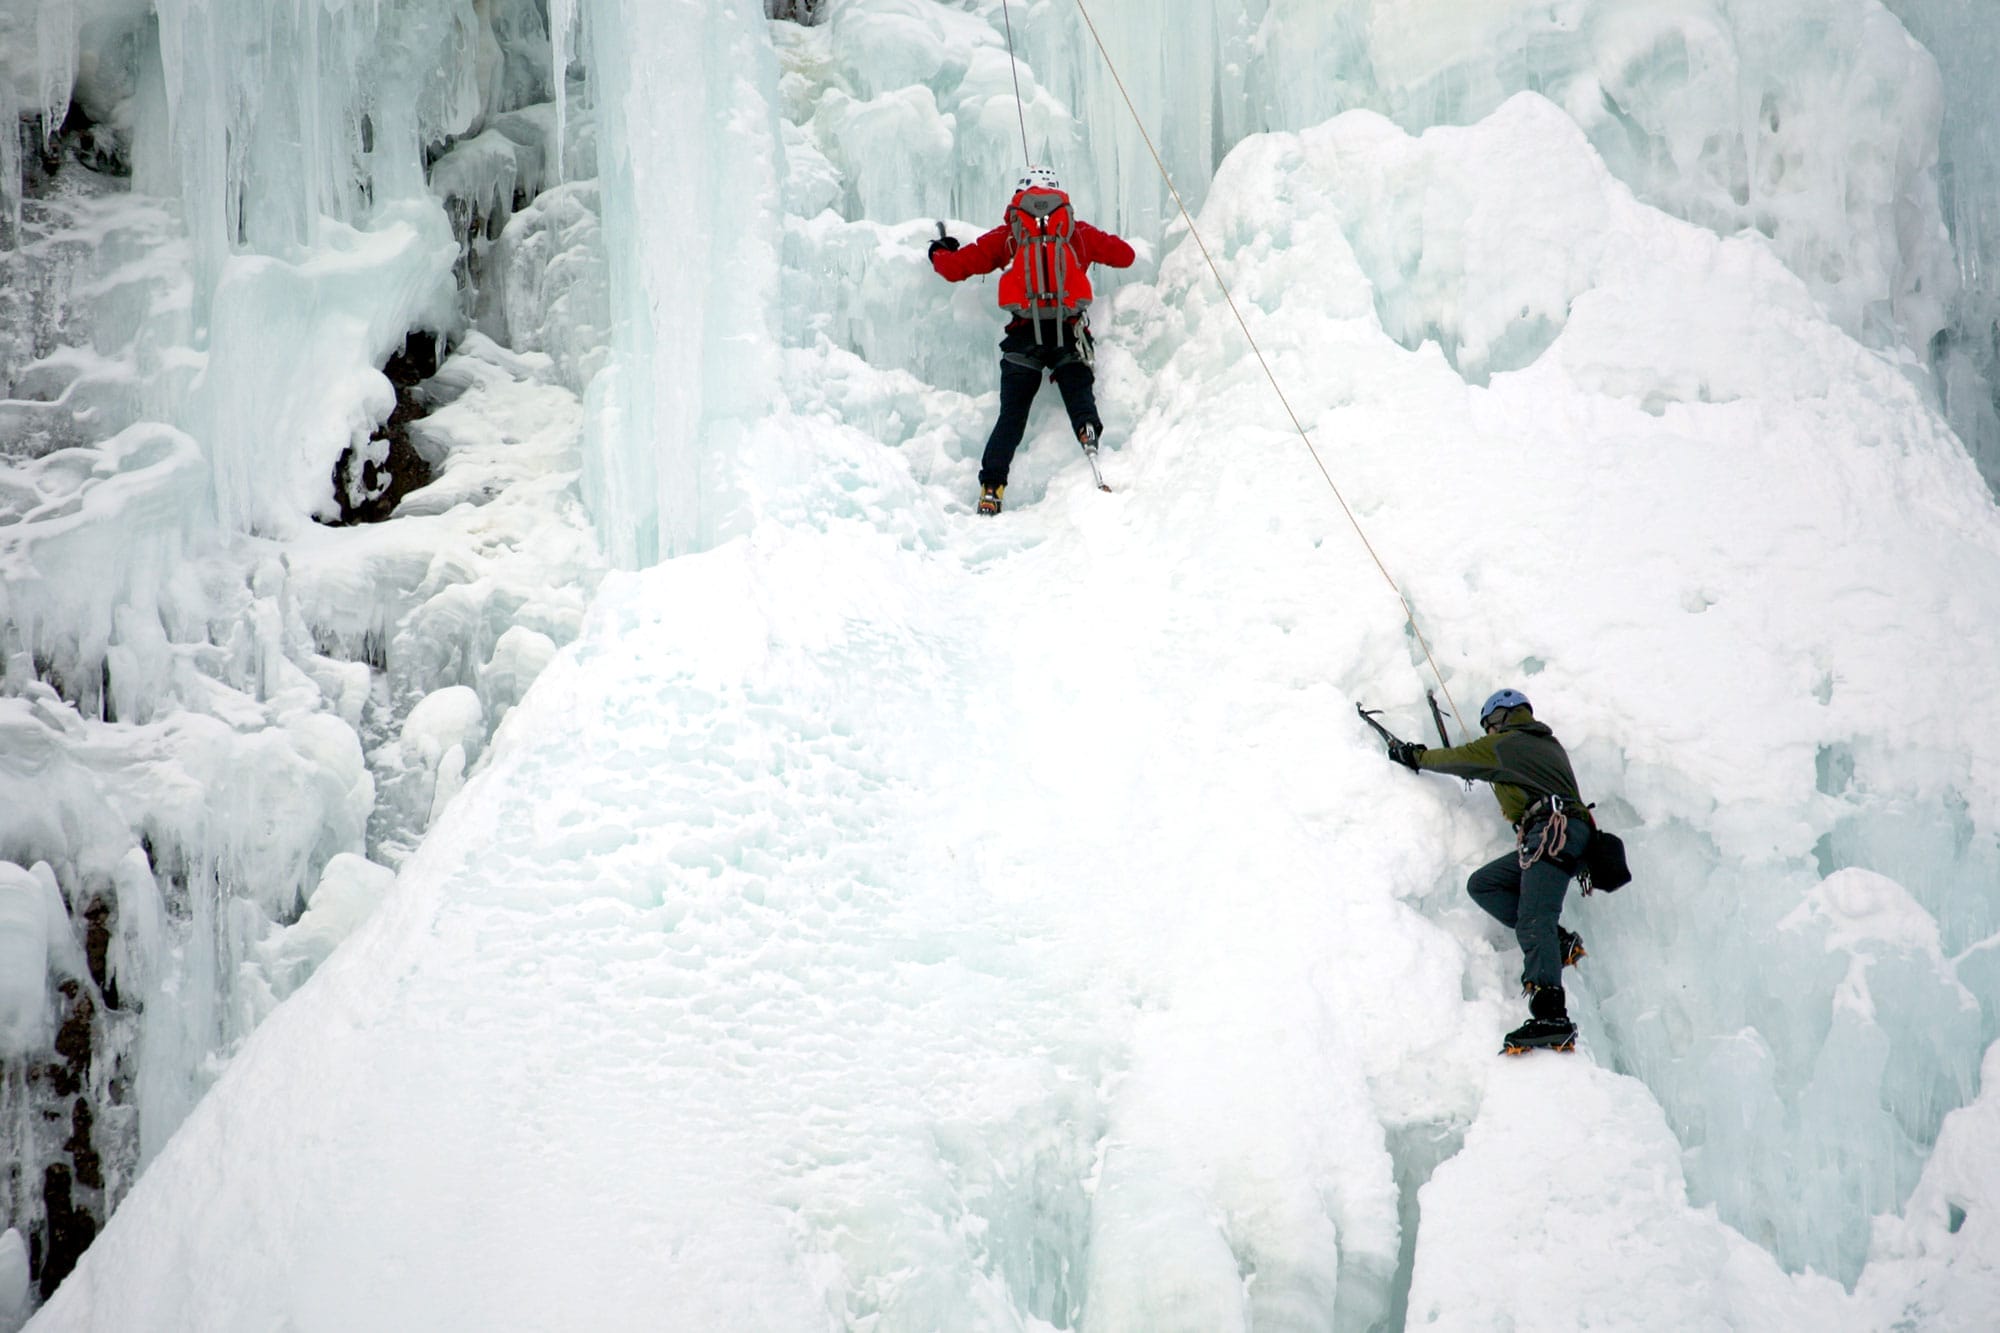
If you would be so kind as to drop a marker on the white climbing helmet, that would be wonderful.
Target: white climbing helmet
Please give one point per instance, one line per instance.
(1039, 178)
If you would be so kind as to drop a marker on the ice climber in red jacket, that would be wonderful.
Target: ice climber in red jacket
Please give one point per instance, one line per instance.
(1047, 254)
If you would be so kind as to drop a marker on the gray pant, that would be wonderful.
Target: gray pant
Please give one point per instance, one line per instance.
(1531, 901)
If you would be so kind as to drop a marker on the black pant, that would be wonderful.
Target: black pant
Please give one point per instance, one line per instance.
(1022, 362)
(1531, 901)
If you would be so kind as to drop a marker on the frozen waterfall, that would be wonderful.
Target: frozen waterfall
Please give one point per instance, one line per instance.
(682, 868)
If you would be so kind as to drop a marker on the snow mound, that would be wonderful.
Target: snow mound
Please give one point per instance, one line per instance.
(1566, 1209)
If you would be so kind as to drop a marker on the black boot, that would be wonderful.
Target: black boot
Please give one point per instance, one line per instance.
(1548, 1027)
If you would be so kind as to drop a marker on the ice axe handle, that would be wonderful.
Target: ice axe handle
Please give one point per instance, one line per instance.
(1368, 716)
(1437, 716)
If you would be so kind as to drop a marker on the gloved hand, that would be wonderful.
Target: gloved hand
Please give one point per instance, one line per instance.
(943, 243)
(1405, 753)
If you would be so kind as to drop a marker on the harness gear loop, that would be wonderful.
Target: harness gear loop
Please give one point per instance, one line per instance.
(1554, 832)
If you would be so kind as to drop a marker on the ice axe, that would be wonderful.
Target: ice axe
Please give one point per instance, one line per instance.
(1389, 737)
(1369, 715)
(1437, 716)
(1087, 437)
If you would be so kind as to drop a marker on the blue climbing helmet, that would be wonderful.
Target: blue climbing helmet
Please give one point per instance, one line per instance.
(1502, 699)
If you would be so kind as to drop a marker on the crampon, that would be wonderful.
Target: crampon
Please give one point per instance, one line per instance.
(1540, 1034)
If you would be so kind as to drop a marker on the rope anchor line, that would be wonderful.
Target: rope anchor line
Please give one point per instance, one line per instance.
(1409, 615)
(1014, 68)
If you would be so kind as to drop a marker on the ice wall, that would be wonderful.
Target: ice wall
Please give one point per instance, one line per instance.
(784, 982)
(1964, 37)
(689, 173)
(314, 241)
(1816, 830)
(1812, 124)
(219, 220)
(1858, 989)
(297, 143)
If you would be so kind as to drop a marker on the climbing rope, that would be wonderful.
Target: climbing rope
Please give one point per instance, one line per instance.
(1014, 67)
(1409, 616)
(1554, 833)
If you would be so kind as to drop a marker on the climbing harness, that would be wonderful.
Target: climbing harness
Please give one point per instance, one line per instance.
(1554, 833)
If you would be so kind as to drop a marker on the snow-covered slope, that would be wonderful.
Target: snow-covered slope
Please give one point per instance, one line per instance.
(884, 918)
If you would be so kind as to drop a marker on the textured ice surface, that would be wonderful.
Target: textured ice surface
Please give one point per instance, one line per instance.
(349, 889)
(293, 347)
(884, 920)
(15, 1286)
(25, 933)
(190, 669)
(1935, 1265)
(888, 919)
(1811, 123)
(1537, 1224)
(862, 1022)
(1715, 383)
(1966, 42)
(205, 761)
(552, 290)
(692, 231)
(218, 786)
(468, 590)
(94, 334)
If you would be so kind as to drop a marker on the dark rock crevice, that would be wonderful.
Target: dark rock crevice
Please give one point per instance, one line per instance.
(370, 480)
(808, 12)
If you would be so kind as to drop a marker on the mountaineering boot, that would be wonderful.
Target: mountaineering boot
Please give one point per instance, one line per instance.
(1549, 1027)
(1555, 1034)
(989, 499)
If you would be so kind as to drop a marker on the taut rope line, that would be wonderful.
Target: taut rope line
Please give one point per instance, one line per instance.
(1409, 615)
(1014, 67)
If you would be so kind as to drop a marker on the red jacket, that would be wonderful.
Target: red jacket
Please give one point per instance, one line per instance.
(995, 250)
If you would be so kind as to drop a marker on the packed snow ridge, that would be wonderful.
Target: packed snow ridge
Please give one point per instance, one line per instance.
(685, 869)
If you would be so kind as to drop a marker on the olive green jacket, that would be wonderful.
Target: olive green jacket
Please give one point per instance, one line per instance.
(1523, 760)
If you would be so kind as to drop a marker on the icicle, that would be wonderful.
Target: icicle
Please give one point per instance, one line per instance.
(55, 63)
(10, 170)
(44, 94)
(562, 16)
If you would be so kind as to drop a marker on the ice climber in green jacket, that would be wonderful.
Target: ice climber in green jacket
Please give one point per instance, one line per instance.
(1532, 778)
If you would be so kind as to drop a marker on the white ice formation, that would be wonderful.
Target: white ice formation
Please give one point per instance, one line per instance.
(854, 914)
